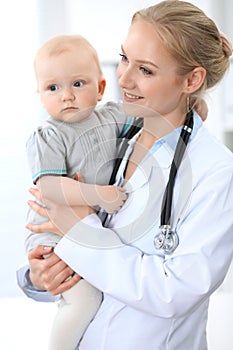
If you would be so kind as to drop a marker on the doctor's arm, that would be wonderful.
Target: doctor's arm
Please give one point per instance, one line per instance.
(165, 286)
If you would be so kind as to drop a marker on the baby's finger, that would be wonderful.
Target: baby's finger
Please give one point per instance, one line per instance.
(123, 197)
(121, 189)
(122, 193)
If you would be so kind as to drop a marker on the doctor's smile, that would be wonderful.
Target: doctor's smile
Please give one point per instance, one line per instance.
(129, 97)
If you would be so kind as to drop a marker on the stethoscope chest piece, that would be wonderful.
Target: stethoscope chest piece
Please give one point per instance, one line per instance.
(167, 240)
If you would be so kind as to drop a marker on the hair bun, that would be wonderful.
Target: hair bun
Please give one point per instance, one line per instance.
(226, 44)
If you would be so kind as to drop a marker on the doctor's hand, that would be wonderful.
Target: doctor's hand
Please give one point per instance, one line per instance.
(51, 273)
(60, 218)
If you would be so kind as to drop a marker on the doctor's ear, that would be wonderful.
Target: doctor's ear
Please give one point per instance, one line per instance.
(195, 79)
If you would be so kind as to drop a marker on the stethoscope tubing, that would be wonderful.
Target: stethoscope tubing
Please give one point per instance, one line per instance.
(167, 240)
(133, 130)
(186, 131)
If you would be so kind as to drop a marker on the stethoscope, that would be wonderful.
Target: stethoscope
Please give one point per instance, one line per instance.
(167, 240)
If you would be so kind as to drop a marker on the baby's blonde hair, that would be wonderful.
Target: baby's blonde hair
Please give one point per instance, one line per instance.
(190, 36)
(63, 43)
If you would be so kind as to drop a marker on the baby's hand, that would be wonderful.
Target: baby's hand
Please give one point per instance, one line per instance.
(111, 198)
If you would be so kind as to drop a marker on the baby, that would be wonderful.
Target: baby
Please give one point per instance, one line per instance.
(77, 138)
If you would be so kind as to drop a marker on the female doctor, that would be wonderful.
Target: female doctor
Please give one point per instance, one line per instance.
(168, 249)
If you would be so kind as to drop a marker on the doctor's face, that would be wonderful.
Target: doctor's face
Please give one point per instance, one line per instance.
(147, 74)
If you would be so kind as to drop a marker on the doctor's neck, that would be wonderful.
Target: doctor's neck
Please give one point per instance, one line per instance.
(159, 126)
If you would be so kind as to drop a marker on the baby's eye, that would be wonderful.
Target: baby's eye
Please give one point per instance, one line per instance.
(52, 87)
(145, 71)
(78, 84)
(123, 57)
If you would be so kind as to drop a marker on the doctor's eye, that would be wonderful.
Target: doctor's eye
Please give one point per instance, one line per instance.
(123, 57)
(78, 83)
(145, 71)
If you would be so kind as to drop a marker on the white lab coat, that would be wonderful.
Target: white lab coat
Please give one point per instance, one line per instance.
(154, 301)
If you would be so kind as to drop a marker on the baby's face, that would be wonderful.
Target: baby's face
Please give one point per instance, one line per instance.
(69, 84)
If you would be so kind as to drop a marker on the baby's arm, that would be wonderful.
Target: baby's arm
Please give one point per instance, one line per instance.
(66, 191)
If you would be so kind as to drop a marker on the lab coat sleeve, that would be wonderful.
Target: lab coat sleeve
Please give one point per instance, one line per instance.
(165, 286)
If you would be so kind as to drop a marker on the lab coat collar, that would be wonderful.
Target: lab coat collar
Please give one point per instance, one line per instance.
(160, 155)
(163, 149)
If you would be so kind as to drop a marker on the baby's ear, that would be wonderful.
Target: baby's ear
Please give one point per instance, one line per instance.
(101, 87)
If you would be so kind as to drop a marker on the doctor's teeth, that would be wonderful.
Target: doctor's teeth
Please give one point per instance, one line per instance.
(131, 96)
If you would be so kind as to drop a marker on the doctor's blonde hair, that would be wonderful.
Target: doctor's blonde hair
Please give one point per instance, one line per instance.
(191, 38)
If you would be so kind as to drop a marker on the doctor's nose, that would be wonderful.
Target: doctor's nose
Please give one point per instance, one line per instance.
(125, 78)
(67, 95)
